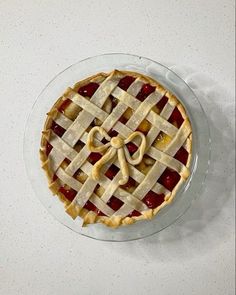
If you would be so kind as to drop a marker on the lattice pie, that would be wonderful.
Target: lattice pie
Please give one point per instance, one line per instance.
(116, 148)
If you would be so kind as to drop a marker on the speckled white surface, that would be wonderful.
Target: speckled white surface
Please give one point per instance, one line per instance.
(40, 38)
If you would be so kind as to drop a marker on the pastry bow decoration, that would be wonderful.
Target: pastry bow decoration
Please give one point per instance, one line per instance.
(115, 147)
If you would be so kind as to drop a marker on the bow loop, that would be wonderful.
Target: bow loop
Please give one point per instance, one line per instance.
(115, 148)
(138, 155)
(90, 140)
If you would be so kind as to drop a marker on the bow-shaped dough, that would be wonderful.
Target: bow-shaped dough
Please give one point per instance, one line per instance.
(115, 147)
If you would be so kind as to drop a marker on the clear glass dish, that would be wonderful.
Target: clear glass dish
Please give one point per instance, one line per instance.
(106, 63)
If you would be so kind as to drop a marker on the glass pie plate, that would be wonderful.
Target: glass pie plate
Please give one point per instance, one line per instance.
(105, 63)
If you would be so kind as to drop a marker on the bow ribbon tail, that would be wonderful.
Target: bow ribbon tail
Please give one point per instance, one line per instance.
(123, 166)
(111, 152)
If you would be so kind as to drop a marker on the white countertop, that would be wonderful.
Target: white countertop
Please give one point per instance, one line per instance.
(38, 255)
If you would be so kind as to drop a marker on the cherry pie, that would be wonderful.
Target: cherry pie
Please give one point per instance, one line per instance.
(116, 148)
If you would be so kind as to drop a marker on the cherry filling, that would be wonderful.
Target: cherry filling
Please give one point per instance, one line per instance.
(112, 171)
(176, 117)
(100, 213)
(112, 133)
(126, 82)
(132, 148)
(130, 183)
(94, 157)
(182, 155)
(169, 179)
(89, 89)
(123, 120)
(145, 91)
(153, 200)
(134, 214)
(90, 206)
(162, 102)
(104, 141)
(64, 105)
(57, 129)
(68, 193)
(115, 203)
(54, 177)
(48, 148)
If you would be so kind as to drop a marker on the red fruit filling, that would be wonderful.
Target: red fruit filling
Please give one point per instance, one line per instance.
(94, 157)
(68, 193)
(48, 148)
(134, 213)
(112, 171)
(162, 102)
(115, 203)
(89, 89)
(64, 105)
(182, 155)
(112, 133)
(123, 120)
(100, 213)
(57, 129)
(132, 148)
(130, 183)
(176, 117)
(126, 82)
(153, 200)
(169, 179)
(145, 91)
(54, 177)
(90, 206)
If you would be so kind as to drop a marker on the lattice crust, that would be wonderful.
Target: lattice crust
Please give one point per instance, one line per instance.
(66, 157)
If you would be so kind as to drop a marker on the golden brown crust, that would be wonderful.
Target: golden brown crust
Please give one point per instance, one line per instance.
(75, 210)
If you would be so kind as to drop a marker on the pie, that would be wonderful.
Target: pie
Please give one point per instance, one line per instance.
(116, 148)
